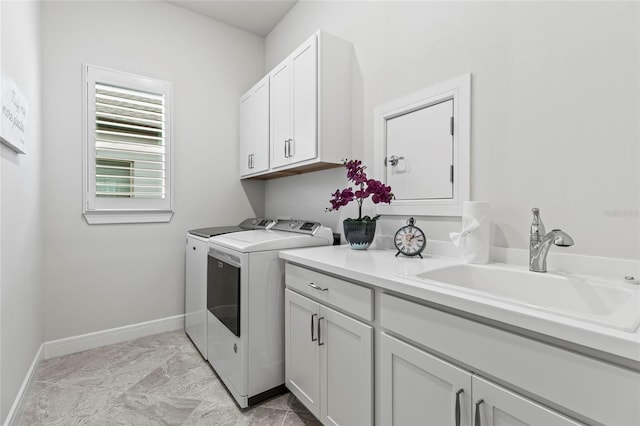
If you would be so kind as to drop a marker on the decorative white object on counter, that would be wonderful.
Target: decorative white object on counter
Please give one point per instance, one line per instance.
(474, 236)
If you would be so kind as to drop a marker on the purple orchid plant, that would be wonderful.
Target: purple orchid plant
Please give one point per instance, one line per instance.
(365, 187)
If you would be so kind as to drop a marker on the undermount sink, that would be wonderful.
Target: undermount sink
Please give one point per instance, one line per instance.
(589, 299)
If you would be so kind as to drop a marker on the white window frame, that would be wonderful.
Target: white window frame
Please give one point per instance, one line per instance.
(103, 210)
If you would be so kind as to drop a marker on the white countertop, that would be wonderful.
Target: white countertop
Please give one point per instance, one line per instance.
(380, 268)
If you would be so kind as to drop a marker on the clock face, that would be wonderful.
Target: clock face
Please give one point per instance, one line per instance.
(410, 240)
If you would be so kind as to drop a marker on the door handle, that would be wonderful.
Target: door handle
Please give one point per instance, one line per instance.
(477, 419)
(312, 339)
(457, 412)
(320, 343)
(317, 287)
(393, 160)
(287, 148)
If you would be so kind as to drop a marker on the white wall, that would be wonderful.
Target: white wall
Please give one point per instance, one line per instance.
(555, 107)
(104, 276)
(21, 289)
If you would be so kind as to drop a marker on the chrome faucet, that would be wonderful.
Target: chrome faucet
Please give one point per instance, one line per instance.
(540, 243)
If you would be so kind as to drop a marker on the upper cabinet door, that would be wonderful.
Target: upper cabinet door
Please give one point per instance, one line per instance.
(294, 106)
(305, 102)
(281, 111)
(254, 129)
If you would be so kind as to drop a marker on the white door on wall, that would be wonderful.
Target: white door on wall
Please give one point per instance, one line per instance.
(419, 152)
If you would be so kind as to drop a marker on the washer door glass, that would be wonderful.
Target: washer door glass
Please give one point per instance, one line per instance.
(223, 292)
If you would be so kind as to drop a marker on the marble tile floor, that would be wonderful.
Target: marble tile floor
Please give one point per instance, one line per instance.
(154, 380)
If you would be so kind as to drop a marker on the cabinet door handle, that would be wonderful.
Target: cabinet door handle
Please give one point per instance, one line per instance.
(317, 287)
(312, 339)
(320, 343)
(458, 406)
(477, 419)
(287, 148)
(291, 153)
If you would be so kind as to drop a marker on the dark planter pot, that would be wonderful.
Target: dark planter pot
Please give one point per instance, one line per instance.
(359, 233)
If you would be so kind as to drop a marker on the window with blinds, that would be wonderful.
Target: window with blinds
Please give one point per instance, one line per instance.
(128, 147)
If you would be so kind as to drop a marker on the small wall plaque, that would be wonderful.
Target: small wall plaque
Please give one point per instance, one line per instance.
(13, 117)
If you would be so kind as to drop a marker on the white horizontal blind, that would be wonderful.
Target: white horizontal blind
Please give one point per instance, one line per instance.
(127, 166)
(129, 143)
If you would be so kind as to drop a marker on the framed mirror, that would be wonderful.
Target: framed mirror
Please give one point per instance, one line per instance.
(422, 149)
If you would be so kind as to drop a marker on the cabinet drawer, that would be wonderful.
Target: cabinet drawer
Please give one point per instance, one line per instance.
(564, 380)
(350, 297)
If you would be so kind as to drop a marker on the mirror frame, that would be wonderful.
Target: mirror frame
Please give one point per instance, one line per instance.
(458, 89)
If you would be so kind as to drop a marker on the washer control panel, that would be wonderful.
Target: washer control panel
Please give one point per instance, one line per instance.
(296, 225)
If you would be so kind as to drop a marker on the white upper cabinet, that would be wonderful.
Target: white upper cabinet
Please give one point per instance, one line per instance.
(309, 109)
(294, 107)
(254, 130)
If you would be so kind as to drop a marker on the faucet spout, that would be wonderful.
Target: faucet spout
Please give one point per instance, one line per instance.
(540, 243)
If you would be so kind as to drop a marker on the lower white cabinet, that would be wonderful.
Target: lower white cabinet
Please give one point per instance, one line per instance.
(328, 361)
(417, 388)
(494, 405)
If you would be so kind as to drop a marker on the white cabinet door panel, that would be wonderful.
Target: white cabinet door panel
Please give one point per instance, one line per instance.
(501, 407)
(302, 373)
(281, 109)
(423, 138)
(346, 356)
(420, 389)
(305, 102)
(254, 129)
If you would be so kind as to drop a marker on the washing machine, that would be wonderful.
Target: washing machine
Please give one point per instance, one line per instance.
(195, 295)
(245, 305)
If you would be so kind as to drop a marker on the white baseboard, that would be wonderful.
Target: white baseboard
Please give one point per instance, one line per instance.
(15, 413)
(83, 342)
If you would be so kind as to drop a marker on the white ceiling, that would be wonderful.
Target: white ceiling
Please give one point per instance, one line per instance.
(255, 16)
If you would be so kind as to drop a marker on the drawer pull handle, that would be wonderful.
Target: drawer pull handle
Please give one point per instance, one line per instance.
(312, 338)
(317, 287)
(320, 343)
(458, 406)
(477, 419)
